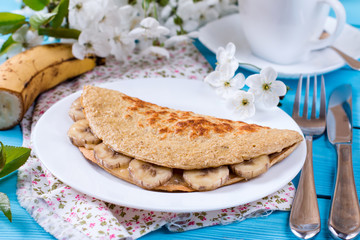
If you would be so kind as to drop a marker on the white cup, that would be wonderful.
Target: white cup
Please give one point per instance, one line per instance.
(285, 31)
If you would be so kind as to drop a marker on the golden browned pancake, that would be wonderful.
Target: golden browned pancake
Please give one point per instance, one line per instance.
(164, 149)
(173, 138)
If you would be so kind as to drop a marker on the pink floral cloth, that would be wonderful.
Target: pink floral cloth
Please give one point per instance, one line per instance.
(69, 214)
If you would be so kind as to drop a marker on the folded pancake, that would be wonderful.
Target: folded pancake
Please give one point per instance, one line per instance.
(165, 149)
(173, 138)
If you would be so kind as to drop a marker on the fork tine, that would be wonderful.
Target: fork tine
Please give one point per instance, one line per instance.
(322, 99)
(297, 99)
(306, 100)
(313, 108)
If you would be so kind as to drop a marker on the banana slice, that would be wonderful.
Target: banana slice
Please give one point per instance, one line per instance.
(206, 179)
(252, 168)
(80, 135)
(109, 158)
(76, 110)
(148, 175)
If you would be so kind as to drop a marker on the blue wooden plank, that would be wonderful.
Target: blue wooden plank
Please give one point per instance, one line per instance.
(325, 164)
(23, 225)
(274, 226)
(12, 136)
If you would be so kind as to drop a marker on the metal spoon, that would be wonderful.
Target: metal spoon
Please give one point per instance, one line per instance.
(352, 62)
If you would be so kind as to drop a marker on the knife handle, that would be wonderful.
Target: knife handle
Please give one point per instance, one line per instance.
(344, 219)
(304, 217)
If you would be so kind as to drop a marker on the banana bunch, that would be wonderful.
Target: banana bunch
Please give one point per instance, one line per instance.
(27, 74)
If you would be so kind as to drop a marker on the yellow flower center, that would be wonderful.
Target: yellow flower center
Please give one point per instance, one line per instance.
(266, 86)
(245, 102)
(227, 84)
(78, 6)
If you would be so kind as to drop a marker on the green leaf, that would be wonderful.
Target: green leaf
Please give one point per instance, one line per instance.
(2, 156)
(163, 3)
(5, 205)
(36, 5)
(60, 32)
(15, 158)
(61, 11)
(5, 47)
(145, 5)
(10, 22)
(178, 20)
(40, 18)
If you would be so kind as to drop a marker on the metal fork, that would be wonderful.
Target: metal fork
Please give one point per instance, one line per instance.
(304, 217)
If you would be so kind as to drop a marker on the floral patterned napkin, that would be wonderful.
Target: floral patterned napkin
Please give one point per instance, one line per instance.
(69, 214)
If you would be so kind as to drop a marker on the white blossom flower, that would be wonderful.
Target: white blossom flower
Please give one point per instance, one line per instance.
(27, 37)
(91, 42)
(265, 87)
(242, 102)
(177, 39)
(129, 17)
(227, 56)
(166, 12)
(149, 28)
(109, 20)
(195, 14)
(83, 13)
(121, 44)
(224, 81)
(159, 52)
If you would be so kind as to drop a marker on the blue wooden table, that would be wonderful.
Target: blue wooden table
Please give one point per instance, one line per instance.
(274, 226)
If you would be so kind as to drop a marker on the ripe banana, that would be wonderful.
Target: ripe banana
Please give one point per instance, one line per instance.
(148, 175)
(109, 158)
(252, 168)
(206, 179)
(80, 135)
(27, 74)
(76, 110)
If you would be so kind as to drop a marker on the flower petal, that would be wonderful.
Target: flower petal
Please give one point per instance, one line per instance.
(269, 74)
(103, 49)
(278, 88)
(221, 55)
(149, 22)
(254, 81)
(214, 78)
(161, 30)
(137, 32)
(78, 50)
(239, 81)
(227, 71)
(231, 49)
(270, 100)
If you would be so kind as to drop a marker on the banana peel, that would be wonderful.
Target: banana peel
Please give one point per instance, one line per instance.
(32, 72)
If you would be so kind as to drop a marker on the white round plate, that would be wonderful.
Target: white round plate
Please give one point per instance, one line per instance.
(65, 161)
(228, 29)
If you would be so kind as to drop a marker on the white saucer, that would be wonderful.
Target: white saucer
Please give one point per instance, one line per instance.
(228, 29)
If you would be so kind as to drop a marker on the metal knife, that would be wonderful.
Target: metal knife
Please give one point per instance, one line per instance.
(344, 219)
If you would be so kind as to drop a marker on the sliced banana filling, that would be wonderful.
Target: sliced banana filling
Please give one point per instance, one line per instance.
(206, 179)
(151, 176)
(252, 168)
(76, 110)
(108, 158)
(81, 136)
